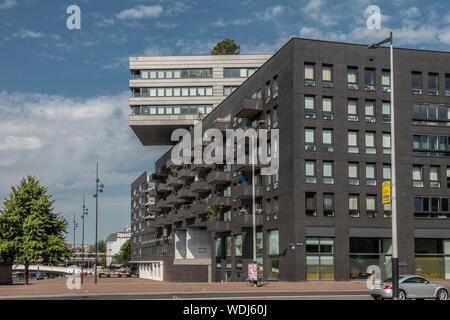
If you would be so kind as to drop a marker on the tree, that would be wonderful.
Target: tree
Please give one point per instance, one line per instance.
(30, 230)
(102, 261)
(226, 47)
(124, 254)
(101, 246)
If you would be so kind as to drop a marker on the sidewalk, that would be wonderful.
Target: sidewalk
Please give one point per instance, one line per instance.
(58, 287)
(123, 286)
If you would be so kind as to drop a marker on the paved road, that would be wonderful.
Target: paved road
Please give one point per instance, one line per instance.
(339, 295)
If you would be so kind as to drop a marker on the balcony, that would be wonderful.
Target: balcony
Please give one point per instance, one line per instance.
(250, 109)
(218, 177)
(199, 222)
(151, 192)
(186, 212)
(154, 208)
(163, 188)
(221, 124)
(171, 165)
(243, 192)
(163, 204)
(201, 167)
(185, 174)
(246, 220)
(200, 186)
(173, 199)
(185, 194)
(247, 165)
(218, 226)
(225, 201)
(174, 182)
(199, 208)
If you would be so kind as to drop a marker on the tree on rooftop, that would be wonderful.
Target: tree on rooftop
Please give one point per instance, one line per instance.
(30, 230)
(226, 47)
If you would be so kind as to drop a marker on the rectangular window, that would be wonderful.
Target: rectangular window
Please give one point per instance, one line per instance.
(434, 177)
(370, 143)
(433, 84)
(416, 82)
(369, 78)
(328, 172)
(327, 140)
(310, 139)
(447, 84)
(238, 245)
(386, 81)
(352, 140)
(310, 171)
(353, 206)
(386, 143)
(310, 112)
(309, 75)
(386, 111)
(275, 87)
(352, 78)
(353, 177)
(417, 173)
(268, 92)
(352, 110)
(327, 108)
(371, 179)
(448, 176)
(328, 204)
(310, 204)
(319, 259)
(369, 109)
(386, 172)
(327, 76)
(371, 210)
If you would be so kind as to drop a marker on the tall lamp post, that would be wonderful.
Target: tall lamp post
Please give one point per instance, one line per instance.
(98, 188)
(83, 214)
(75, 226)
(255, 148)
(395, 283)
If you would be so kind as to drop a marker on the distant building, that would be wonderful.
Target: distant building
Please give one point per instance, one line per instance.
(113, 244)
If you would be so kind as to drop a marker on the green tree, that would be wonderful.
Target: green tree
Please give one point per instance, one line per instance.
(30, 230)
(101, 246)
(124, 254)
(102, 261)
(226, 47)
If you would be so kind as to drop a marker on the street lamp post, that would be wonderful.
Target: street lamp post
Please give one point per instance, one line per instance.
(98, 188)
(83, 214)
(260, 122)
(75, 226)
(395, 270)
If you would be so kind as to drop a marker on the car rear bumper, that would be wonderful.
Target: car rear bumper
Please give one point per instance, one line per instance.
(382, 293)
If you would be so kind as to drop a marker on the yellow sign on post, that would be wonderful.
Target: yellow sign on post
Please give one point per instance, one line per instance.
(386, 192)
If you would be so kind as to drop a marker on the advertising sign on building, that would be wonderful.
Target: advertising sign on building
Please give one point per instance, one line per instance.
(386, 192)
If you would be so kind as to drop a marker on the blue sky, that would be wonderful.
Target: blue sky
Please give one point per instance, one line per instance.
(63, 93)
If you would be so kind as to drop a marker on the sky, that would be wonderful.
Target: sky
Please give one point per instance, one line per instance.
(64, 93)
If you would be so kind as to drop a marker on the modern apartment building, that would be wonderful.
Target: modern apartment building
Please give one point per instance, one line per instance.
(321, 216)
(171, 92)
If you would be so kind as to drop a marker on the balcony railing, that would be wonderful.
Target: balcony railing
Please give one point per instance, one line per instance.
(200, 186)
(246, 220)
(250, 109)
(246, 192)
(218, 177)
(185, 174)
(219, 226)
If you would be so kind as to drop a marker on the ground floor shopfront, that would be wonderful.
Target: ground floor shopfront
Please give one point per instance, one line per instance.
(232, 254)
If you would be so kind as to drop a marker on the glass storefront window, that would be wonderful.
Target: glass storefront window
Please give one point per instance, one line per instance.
(273, 242)
(218, 247)
(430, 267)
(274, 267)
(319, 259)
(228, 246)
(359, 265)
(238, 245)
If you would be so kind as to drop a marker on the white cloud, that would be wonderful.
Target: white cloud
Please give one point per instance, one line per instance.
(30, 34)
(8, 4)
(140, 12)
(312, 6)
(271, 13)
(20, 143)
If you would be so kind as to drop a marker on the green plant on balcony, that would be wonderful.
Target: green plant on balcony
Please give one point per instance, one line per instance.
(214, 212)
